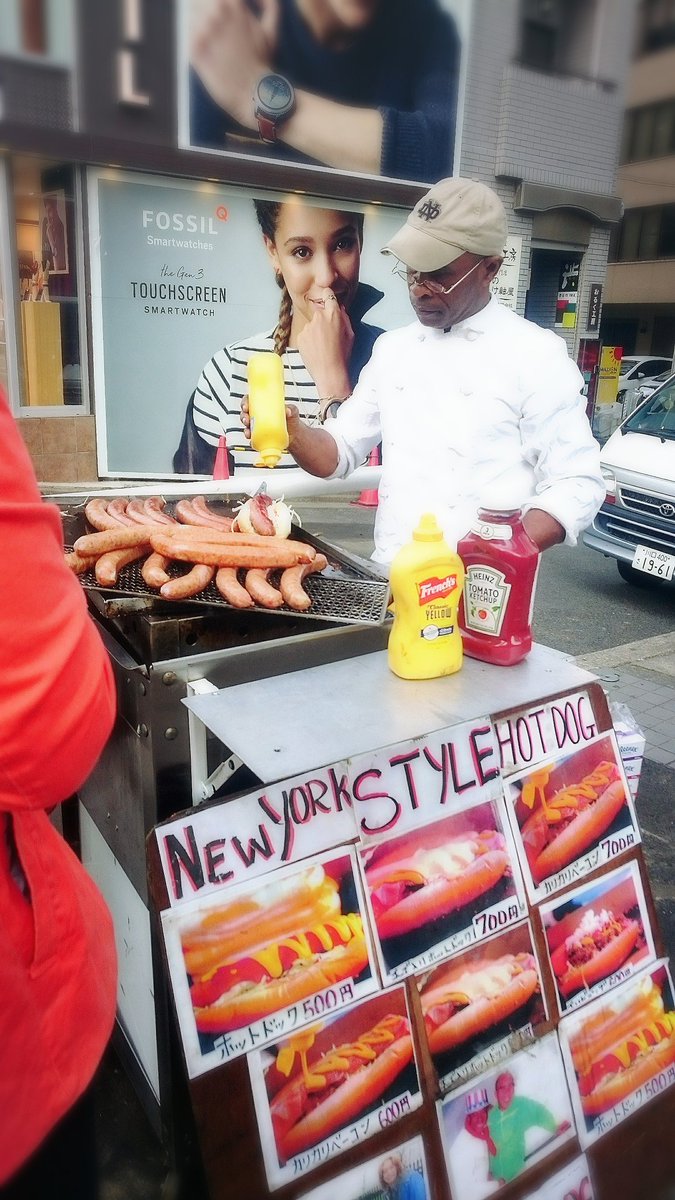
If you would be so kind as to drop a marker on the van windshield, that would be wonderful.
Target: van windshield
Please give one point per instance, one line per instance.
(656, 415)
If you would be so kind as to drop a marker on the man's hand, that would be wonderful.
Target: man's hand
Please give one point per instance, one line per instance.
(544, 530)
(325, 344)
(230, 48)
(293, 421)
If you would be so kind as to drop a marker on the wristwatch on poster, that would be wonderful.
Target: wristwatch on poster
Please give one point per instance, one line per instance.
(273, 101)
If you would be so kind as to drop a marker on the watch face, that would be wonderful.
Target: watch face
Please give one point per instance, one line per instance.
(274, 93)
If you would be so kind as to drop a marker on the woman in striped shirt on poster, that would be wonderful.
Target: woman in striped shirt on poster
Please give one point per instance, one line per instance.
(320, 334)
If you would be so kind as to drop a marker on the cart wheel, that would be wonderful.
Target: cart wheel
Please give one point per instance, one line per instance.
(638, 579)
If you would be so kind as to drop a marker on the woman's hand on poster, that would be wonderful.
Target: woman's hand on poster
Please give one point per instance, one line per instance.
(325, 344)
(230, 48)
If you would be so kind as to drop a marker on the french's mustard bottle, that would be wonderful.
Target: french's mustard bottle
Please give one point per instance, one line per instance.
(267, 407)
(426, 583)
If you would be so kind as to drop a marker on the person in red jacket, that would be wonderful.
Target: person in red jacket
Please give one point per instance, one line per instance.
(58, 966)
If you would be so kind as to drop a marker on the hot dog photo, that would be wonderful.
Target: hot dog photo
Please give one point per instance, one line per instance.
(597, 935)
(440, 887)
(506, 1121)
(620, 1051)
(488, 998)
(571, 815)
(292, 945)
(334, 1084)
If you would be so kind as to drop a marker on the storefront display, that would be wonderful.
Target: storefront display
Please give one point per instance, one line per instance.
(482, 983)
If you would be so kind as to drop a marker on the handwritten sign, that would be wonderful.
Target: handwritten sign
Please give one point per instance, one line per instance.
(533, 734)
(224, 844)
(412, 783)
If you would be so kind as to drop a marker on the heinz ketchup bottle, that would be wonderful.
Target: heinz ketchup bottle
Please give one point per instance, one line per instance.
(501, 563)
(426, 583)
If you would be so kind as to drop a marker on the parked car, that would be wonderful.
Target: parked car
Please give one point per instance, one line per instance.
(646, 388)
(636, 523)
(635, 368)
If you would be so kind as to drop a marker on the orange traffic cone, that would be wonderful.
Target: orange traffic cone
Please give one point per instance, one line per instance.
(221, 467)
(369, 497)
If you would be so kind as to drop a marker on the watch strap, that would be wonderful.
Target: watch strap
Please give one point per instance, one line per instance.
(267, 128)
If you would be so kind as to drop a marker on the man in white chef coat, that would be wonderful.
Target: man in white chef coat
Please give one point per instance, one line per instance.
(470, 401)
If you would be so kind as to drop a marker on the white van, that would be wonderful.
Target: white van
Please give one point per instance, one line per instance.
(636, 523)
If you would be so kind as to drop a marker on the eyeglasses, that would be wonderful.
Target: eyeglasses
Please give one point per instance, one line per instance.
(421, 279)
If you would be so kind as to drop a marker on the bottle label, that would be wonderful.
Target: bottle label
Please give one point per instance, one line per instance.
(492, 533)
(486, 598)
(431, 632)
(435, 588)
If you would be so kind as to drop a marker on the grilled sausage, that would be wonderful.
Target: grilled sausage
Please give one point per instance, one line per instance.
(231, 590)
(225, 555)
(109, 565)
(258, 586)
(120, 538)
(96, 512)
(117, 508)
(154, 570)
(290, 584)
(188, 585)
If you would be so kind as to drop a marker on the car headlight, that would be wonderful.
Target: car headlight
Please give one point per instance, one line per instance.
(610, 484)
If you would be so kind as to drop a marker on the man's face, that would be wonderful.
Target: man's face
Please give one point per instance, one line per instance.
(438, 310)
(504, 1089)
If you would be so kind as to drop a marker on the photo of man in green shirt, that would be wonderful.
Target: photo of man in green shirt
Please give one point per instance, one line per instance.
(508, 1123)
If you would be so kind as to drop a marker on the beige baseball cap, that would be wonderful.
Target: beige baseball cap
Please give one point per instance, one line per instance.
(456, 215)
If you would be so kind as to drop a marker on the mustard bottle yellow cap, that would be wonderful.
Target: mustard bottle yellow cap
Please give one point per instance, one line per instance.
(428, 529)
(268, 458)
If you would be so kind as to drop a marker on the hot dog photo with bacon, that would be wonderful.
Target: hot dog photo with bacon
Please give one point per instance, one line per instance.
(488, 998)
(597, 935)
(262, 959)
(327, 1087)
(620, 1051)
(571, 815)
(440, 887)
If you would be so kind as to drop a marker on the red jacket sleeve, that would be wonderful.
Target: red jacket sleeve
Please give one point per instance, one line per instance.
(57, 700)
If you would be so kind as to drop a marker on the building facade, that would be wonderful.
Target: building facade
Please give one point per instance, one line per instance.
(95, 113)
(639, 312)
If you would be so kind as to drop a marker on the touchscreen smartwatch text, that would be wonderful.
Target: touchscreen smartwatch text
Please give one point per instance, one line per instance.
(274, 101)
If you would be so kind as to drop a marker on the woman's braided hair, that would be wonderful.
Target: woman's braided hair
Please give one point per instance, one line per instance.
(267, 212)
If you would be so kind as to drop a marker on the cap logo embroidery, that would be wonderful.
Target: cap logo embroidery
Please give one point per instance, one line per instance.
(429, 210)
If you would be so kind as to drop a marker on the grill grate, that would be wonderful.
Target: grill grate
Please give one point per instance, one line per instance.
(336, 596)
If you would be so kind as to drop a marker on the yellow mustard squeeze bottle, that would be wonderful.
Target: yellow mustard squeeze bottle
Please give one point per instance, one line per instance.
(426, 582)
(267, 407)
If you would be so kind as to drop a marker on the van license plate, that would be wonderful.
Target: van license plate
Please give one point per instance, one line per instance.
(654, 562)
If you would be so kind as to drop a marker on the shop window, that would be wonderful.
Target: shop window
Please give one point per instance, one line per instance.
(657, 25)
(540, 34)
(47, 255)
(649, 132)
(645, 234)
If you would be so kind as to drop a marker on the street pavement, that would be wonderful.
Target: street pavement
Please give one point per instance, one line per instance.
(638, 673)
